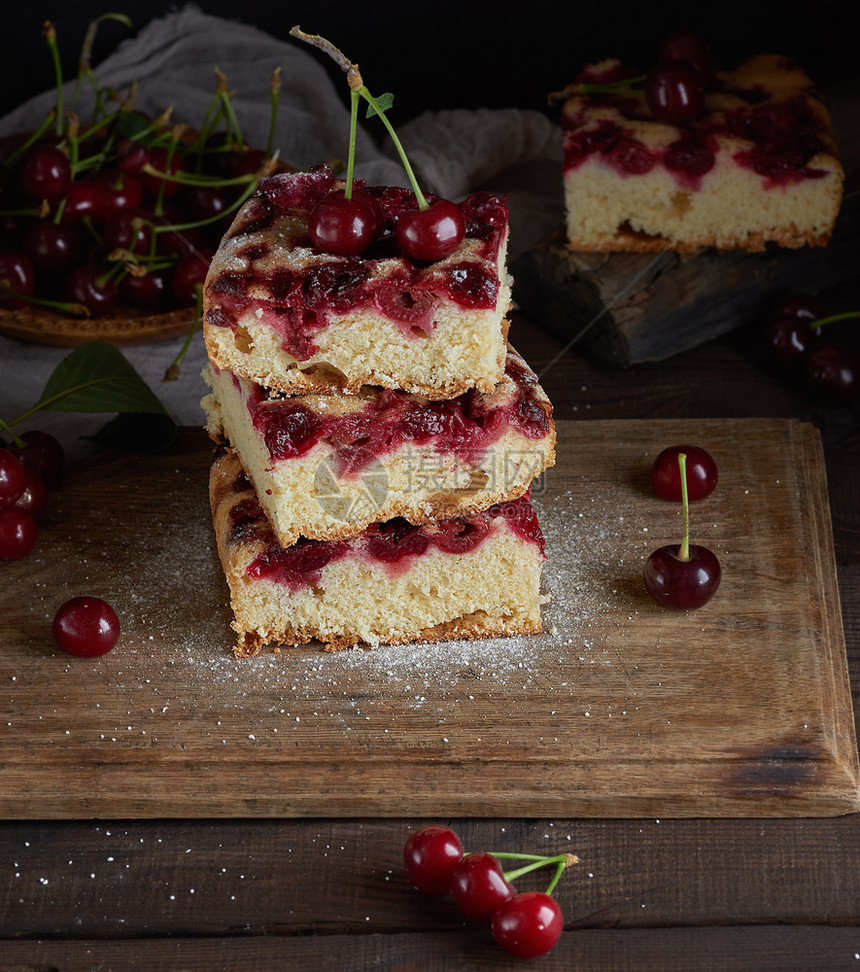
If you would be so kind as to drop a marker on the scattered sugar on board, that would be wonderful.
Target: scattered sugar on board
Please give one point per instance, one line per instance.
(174, 671)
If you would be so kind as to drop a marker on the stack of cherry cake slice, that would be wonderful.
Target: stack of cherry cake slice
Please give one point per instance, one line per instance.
(378, 437)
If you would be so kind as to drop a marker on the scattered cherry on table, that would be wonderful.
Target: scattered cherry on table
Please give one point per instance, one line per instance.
(701, 473)
(430, 855)
(86, 627)
(682, 576)
(479, 886)
(528, 924)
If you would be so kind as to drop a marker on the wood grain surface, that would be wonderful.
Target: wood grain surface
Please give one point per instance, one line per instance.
(621, 709)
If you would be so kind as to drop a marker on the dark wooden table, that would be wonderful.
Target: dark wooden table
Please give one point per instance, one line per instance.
(650, 894)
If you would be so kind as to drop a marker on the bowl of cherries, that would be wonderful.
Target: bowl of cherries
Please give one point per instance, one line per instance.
(108, 225)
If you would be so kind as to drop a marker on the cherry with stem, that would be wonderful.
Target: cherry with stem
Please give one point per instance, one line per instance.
(433, 230)
(684, 576)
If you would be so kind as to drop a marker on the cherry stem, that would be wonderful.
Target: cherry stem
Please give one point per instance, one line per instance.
(68, 306)
(275, 87)
(230, 118)
(13, 157)
(353, 128)
(844, 316)
(422, 202)
(614, 87)
(684, 549)
(51, 37)
(357, 85)
(172, 372)
(561, 861)
(16, 439)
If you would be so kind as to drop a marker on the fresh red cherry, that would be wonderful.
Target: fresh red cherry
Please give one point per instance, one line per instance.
(131, 156)
(18, 274)
(430, 855)
(701, 473)
(798, 305)
(832, 373)
(34, 498)
(528, 924)
(190, 274)
(681, 45)
(345, 227)
(128, 230)
(204, 202)
(675, 93)
(42, 453)
(122, 190)
(248, 162)
(18, 533)
(86, 200)
(13, 477)
(45, 173)
(89, 286)
(151, 290)
(679, 583)
(86, 626)
(52, 246)
(433, 233)
(788, 340)
(479, 886)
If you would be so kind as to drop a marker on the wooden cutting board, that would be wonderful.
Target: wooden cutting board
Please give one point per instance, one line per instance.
(741, 708)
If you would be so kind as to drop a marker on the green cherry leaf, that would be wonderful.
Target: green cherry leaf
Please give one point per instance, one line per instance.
(132, 124)
(96, 377)
(384, 102)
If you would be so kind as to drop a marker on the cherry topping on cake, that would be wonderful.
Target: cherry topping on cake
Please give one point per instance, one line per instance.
(682, 45)
(343, 226)
(433, 233)
(428, 233)
(675, 92)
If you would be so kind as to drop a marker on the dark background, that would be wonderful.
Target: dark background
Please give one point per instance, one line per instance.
(458, 53)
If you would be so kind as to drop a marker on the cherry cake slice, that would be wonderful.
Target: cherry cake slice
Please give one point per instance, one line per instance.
(291, 317)
(758, 165)
(327, 466)
(467, 577)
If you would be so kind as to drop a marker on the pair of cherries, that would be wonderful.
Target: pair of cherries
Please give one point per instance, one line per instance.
(347, 225)
(684, 576)
(793, 344)
(524, 925)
